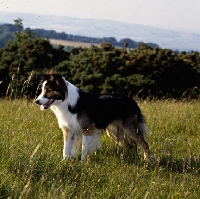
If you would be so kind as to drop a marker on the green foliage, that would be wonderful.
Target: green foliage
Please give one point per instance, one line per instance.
(23, 58)
(31, 153)
(154, 72)
(145, 71)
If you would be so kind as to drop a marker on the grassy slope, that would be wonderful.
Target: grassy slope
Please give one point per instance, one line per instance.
(31, 154)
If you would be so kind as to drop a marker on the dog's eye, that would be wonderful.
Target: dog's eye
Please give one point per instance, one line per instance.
(48, 90)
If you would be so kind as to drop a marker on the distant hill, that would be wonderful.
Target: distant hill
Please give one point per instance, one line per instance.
(7, 31)
(105, 28)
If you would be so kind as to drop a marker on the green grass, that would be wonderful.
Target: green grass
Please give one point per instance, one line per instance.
(31, 154)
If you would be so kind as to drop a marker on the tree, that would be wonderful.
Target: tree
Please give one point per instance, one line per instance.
(23, 58)
(18, 23)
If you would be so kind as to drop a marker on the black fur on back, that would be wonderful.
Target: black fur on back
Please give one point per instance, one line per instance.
(102, 109)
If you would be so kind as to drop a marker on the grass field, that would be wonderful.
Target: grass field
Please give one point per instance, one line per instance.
(31, 154)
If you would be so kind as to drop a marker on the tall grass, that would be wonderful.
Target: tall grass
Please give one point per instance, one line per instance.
(31, 154)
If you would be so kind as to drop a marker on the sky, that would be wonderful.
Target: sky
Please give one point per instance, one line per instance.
(167, 14)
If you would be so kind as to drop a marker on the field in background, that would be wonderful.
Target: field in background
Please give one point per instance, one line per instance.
(31, 154)
(71, 43)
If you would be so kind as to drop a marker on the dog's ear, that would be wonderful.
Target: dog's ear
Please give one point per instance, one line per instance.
(45, 75)
(56, 77)
(42, 77)
(60, 82)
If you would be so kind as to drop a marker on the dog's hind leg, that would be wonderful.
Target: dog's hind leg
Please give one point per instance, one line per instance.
(139, 131)
(140, 138)
(145, 147)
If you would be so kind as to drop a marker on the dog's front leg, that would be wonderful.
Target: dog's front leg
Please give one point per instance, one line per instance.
(90, 144)
(68, 142)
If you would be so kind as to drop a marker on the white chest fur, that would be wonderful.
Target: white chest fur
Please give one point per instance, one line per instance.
(60, 109)
(66, 118)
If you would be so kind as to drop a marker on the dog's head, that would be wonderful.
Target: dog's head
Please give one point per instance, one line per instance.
(53, 88)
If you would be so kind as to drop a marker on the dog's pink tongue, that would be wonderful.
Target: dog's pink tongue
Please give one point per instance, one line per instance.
(41, 107)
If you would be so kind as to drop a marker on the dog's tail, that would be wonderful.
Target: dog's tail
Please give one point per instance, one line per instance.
(142, 126)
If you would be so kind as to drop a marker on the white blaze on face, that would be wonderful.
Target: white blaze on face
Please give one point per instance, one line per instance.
(42, 93)
(42, 100)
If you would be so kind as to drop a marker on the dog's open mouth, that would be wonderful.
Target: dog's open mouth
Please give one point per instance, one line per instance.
(47, 105)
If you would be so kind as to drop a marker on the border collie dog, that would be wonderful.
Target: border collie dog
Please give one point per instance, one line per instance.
(82, 115)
